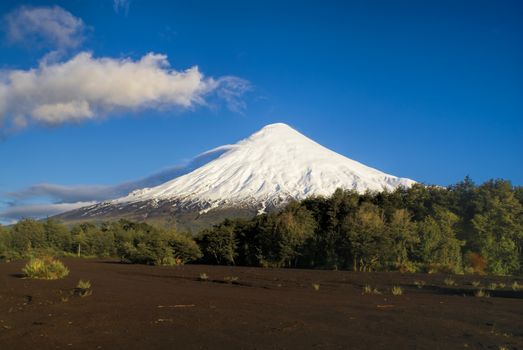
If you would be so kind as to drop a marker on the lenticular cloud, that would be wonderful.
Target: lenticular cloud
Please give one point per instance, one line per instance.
(86, 87)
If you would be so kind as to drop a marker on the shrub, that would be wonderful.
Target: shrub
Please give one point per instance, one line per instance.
(83, 288)
(442, 268)
(407, 267)
(492, 286)
(397, 291)
(203, 277)
(449, 282)
(218, 244)
(367, 289)
(516, 286)
(231, 279)
(480, 293)
(419, 284)
(159, 247)
(476, 262)
(45, 268)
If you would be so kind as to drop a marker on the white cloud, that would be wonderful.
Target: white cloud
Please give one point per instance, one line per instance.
(73, 197)
(52, 26)
(121, 5)
(86, 87)
(14, 213)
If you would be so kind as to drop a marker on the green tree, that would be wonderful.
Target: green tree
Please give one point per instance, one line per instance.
(367, 238)
(57, 235)
(218, 244)
(439, 248)
(90, 240)
(500, 235)
(184, 247)
(403, 237)
(27, 235)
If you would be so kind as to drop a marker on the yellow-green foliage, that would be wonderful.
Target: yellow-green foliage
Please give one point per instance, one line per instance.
(316, 286)
(476, 283)
(516, 286)
(449, 281)
(83, 288)
(480, 293)
(367, 289)
(396, 290)
(203, 277)
(45, 268)
(83, 284)
(231, 279)
(419, 284)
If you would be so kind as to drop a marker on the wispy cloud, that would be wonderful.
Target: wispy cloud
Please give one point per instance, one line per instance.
(14, 213)
(121, 5)
(86, 87)
(46, 26)
(66, 198)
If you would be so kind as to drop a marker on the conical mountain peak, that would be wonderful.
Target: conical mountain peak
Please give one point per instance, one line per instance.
(270, 167)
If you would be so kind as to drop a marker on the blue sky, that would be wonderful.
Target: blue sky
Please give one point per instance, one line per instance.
(429, 90)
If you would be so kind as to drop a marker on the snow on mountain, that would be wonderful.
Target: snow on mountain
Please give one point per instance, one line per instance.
(269, 168)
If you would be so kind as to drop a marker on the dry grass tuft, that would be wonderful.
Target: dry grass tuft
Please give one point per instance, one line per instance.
(397, 291)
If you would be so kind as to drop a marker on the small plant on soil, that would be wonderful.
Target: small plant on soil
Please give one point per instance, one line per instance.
(83, 288)
(480, 293)
(367, 289)
(493, 286)
(516, 286)
(419, 284)
(501, 285)
(316, 286)
(203, 277)
(397, 291)
(449, 282)
(476, 283)
(231, 279)
(46, 268)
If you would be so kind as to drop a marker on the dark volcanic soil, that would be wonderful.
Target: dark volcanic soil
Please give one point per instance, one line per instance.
(145, 307)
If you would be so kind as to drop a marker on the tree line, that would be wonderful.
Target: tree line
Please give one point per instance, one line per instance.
(461, 228)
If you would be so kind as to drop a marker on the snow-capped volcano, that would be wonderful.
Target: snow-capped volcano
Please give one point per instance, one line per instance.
(266, 170)
(273, 165)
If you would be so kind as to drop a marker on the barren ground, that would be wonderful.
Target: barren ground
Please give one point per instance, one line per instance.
(146, 307)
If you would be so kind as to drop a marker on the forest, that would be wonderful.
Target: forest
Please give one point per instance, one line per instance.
(462, 228)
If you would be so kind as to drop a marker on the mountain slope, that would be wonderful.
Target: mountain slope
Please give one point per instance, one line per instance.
(264, 171)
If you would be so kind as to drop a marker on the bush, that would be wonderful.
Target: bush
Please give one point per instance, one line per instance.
(407, 267)
(83, 288)
(476, 283)
(218, 244)
(420, 284)
(159, 247)
(480, 293)
(493, 286)
(45, 268)
(449, 282)
(397, 291)
(367, 289)
(516, 286)
(442, 268)
(476, 262)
